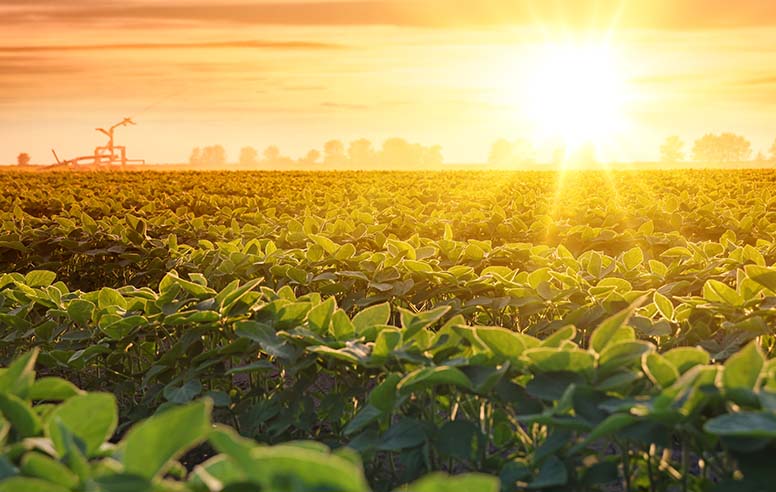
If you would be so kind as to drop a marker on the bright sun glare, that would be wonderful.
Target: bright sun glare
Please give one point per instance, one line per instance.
(575, 94)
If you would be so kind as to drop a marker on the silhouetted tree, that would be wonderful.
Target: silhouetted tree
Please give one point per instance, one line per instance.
(432, 156)
(727, 147)
(773, 151)
(672, 150)
(214, 155)
(311, 158)
(361, 153)
(196, 156)
(334, 153)
(500, 153)
(249, 156)
(272, 154)
(510, 154)
(23, 159)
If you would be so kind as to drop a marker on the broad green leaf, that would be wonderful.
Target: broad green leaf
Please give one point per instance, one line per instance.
(27, 484)
(371, 316)
(327, 244)
(19, 413)
(433, 376)
(606, 331)
(441, 482)
(660, 370)
(684, 358)
(742, 369)
(19, 376)
(414, 322)
(633, 258)
(763, 276)
(150, 445)
(183, 393)
(80, 310)
(319, 317)
(40, 278)
(53, 389)
(38, 465)
(110, 298)
(716, 291)
(547, 359)
(664, 305)
(743, 424)
(102, 419)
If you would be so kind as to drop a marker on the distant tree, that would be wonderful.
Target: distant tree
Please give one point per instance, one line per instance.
(249, 156)
(361, 153)
(196, 156)
(672, 150)
(760, 157)
(214, 155)
(23, 159)
(311, 158)
(334, 153)
(432, 156)
(724, 148)
(500, 153)
(272, 154)
(504, 153)
(773, 151)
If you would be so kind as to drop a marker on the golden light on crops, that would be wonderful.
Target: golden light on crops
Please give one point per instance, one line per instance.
(575, 93)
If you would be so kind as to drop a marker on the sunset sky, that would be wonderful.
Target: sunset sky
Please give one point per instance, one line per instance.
(457, 73)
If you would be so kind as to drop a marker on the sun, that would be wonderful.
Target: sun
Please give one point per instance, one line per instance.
(574, 93)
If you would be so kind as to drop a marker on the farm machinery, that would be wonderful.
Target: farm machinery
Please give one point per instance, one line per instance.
(106, 155)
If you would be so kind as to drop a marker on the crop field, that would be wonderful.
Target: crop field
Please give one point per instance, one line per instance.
(365, 331)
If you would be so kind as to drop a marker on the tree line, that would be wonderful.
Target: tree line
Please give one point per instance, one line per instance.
(394, 152)
(722, 148)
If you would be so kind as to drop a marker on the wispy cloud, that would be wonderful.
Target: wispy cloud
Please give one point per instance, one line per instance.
(658, 14)
(273, 45)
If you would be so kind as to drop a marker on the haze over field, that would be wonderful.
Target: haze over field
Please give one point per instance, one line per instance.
(622, 75)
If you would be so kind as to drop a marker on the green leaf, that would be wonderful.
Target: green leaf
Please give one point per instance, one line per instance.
(341, 326)
(150, 445)
(90, 417)
(606, 331)
(664, 305)
(763, 276)
(37, 465)
(53, 389)
(660, 370)
(27, 484)
(327, 244)
(384, 395)
(441, 482)
(319, 317)
(19, 376)
(504, 343)
(685, 358)
(121, 328)
(110, 298)
(547, 359)
(610, 425)
(371, 316)
(742, 369)
(80, 310)
(414, 322)
(743, 424)
(405, 433)
(716, 291)
(21, 416)
(633, 258)
(183, 393)
(459, 439)
(552, 473)
(433, 376)
(40, 278)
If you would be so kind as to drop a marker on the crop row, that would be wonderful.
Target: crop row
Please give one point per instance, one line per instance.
(423, 391)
